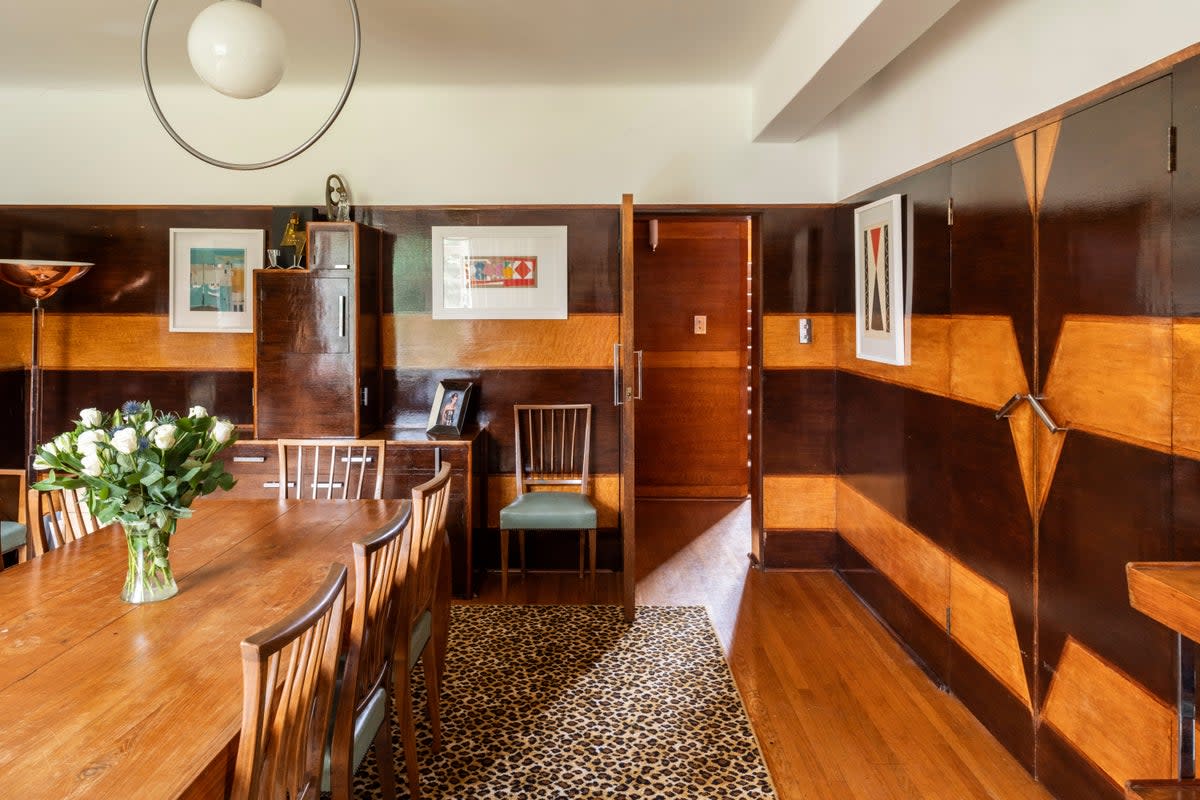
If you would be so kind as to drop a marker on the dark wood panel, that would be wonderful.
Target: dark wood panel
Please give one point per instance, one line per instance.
(893, 446)
(925, 640)
(1067, 773)
(1104, 235)
(1110, 503)
(408, 395)
(1001, 713)
(691, 430)
(989, 514)
(797, 255)
(698, 268)
(992, 242)
(798, 421)
(12, 418)
(1185, 189)
(927, 194)
(225, 394)
(1185, 497)
(129, 247)
(592, 242)
(799, 549)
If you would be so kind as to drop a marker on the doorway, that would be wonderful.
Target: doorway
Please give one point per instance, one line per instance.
(692, 329)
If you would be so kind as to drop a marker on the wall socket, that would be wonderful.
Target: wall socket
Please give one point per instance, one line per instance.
(699, 324)
(805, 331)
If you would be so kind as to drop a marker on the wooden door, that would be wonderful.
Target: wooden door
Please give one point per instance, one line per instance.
(692, 335)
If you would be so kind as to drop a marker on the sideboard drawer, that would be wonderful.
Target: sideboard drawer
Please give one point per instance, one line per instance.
(255, 464)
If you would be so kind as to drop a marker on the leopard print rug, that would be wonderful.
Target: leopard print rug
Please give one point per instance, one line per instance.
(572, 702)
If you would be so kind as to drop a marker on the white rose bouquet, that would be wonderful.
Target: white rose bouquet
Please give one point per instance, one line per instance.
(143, 469)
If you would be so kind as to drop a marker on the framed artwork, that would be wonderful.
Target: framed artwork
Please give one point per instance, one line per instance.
(500, 272)
(211, 286)
(451, 406)
(880, 315)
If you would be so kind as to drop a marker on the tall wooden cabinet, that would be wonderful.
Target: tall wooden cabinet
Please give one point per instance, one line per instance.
(317, 368)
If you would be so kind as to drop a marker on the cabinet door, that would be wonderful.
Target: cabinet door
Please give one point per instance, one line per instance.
(305, 376)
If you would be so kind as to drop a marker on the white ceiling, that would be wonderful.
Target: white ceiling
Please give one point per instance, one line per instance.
(779, 48)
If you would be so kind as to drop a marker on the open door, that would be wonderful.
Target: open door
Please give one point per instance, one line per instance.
(625, 394)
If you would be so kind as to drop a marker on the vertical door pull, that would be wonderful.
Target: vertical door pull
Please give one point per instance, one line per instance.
(617, 374)
(342, 315)
(638, 353)
(1043, 415)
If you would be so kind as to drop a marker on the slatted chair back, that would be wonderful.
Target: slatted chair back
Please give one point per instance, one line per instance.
(366, 679)
(288, 674)
(553, 444)
(56, 517)
(424, 622)
(331, 469)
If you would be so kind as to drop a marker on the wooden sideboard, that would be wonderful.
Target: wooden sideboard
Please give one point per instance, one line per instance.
(412, 458)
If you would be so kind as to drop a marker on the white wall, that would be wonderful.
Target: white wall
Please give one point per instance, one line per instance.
(989, 64)
(407, 146)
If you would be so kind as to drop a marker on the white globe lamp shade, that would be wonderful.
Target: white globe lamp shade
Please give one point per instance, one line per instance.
(237, 48)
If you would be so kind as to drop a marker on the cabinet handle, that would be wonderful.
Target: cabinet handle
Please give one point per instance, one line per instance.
(638, 353)
(342, 315)
(249, 459)
(364, 395)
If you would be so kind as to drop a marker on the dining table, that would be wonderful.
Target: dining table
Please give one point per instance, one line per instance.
(103, 699)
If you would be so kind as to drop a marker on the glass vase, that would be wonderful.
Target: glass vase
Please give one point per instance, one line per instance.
(149, 577)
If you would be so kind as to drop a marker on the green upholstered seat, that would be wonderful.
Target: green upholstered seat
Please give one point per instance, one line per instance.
(12, 535)
(549, 511)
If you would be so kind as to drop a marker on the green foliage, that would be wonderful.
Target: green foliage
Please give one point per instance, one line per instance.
(138, 464)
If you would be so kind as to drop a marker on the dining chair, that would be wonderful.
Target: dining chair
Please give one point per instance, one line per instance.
(553, 444)
(56, 517)
(288, 675)
(424, 619)
(14, 517)
(331, 469)
(363, 711)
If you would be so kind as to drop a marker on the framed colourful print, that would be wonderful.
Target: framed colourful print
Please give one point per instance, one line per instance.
(881, 319)
(211, 286)
(498, 272)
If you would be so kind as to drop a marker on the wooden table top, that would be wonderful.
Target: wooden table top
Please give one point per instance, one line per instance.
(100, 698)
(1168, 592)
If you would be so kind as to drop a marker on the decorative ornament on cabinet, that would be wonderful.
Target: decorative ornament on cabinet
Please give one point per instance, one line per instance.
(337, 199)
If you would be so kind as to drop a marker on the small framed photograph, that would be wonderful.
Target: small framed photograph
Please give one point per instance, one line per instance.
(211, 289)
(881, 282)
(451, 406)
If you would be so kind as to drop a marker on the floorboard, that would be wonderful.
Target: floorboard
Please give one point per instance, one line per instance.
(839, 708)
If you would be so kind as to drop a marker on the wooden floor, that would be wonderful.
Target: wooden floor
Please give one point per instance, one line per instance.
(840, 710)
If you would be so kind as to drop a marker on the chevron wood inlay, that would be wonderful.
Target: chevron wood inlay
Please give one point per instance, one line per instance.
(1186, 388)
(1047, 140)
(1096, 707)
(983, 625)
(985, 362)
(1027, 159)
(930, 367)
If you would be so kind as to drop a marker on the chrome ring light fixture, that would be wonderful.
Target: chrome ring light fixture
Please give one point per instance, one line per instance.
(260, 24)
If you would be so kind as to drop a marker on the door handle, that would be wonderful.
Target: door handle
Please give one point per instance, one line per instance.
(1043, 415)
(342, 315)
(638, 353)
(1007, 409)
(617, 374)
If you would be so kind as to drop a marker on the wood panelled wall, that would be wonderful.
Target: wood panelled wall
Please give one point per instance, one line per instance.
(994, 548)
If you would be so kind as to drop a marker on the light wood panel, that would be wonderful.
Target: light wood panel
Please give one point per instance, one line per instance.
(1167, 592)
(930, 367)
(982, 622)
(1186, 377)
(417, 341)
(1123, 729)
(106, 341)
(781, 342)
(604, 492)
(799, 501)
(1113, 376)
(985, 362)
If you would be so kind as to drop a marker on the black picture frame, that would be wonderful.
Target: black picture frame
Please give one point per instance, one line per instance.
(451, 406)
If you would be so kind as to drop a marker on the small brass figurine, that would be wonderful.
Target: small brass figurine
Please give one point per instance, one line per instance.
(293, 236)
(337, 199)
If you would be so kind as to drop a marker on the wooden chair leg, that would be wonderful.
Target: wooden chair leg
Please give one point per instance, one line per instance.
(408, 730)
(384, 756)
(503, 563)
(521, 539)
(433, 692)
(581, 554)
(592, 560)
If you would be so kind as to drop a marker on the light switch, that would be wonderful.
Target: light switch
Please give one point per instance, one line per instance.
(805, 331)
(699, 324)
